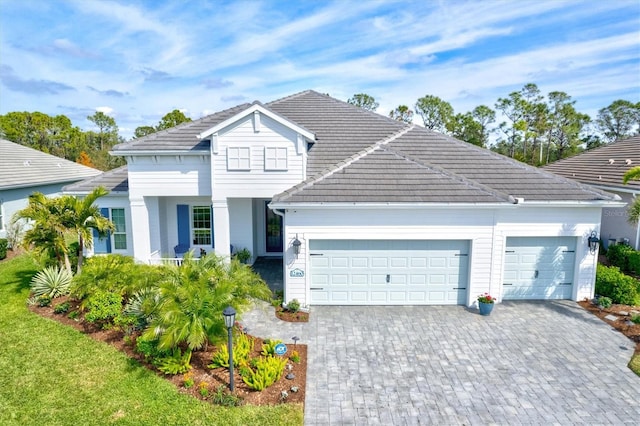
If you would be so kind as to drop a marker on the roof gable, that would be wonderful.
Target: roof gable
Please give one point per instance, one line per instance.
(23, 167)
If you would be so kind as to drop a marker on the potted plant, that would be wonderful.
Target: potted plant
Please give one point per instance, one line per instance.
(243, 255)
(485, 303)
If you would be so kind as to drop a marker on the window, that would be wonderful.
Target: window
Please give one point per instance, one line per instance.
(1, 217)
(275, 158)
(120, 234)
(201, 217)
(239, 158)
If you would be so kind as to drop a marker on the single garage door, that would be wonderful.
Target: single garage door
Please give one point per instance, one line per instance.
(539, 268)
(380, 272)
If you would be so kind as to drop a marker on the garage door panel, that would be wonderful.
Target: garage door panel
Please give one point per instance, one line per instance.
(389, 272)
(539, 268)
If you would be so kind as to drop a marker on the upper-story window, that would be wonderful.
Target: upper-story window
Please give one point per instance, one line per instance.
(275, 158)
(238, 158)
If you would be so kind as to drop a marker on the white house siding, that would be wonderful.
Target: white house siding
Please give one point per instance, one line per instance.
(615, 224)
(241, 223)
(256, 182)
(185, 175)
(475, 226)
(13, 200)
(485, 228)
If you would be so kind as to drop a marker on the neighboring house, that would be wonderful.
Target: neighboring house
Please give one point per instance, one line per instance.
(604, 168)
(24, 170)
(364, 209)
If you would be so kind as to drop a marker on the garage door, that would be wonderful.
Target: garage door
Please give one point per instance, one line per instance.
(539, 268)
(377, 272)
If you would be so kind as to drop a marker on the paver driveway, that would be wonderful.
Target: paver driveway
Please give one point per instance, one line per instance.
(527, 363)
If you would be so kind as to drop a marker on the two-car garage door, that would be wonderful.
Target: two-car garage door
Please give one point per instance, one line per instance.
(381, 272)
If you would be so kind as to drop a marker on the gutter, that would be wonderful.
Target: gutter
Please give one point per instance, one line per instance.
(160, 153)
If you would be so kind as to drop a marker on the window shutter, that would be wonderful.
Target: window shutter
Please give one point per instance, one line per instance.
(213, 240)
(184, 232)
(102, 245)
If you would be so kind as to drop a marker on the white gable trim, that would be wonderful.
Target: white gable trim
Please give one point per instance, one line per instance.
(260, 110)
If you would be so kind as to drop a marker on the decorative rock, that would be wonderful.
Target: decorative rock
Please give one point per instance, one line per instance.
(611, 317)
(623, 313)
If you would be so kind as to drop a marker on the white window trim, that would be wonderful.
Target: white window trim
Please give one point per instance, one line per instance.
(1, 216)
(113, 234)
(193, 227)
(274, 160)
(239, 158)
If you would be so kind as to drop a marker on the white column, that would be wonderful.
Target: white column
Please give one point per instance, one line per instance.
(140, 229)
(222, 239)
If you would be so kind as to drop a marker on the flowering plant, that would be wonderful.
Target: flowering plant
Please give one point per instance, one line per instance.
(486, 298)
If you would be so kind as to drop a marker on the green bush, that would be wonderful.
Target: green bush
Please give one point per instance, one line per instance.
(635, 319)
(633, 262)
(224, 398)
(175, 363)
(103, 307)
(3, 248)
(52, 281)
(267, 370)
(242, 348)
(618, 254)
(293, 306)
(621, 288)
(62, 308)
(149, 348)
(269, 347)
(604, 302)
(44, 300)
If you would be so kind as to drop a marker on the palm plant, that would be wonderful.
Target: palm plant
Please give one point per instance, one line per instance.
(634, 208)
(193, 295)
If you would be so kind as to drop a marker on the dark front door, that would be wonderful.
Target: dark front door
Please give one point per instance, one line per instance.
(274, 231)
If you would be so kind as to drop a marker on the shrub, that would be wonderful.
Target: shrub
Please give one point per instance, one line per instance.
(621, 288)
(267, 371)
(203, 388)
(295, 356)
(62, 308)
(74, 315)
(103, 307)
(149, 348)
(142, 306)
(633, 262)
(618, 255)
(635, 319)
(187, 380)
(242, 348)
(44, 300)
(3, 248)
(175, 363)
(293, 306)
(52, 281)
(269, 347)
(224, 398)
(604, 302)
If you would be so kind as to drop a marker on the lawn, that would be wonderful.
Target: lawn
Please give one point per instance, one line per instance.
(53, 374)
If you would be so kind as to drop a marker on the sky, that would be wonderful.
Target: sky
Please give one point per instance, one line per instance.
(138, 60)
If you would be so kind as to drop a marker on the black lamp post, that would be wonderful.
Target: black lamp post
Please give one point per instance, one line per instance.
(593, 243)
(229, 320)
(296, 246)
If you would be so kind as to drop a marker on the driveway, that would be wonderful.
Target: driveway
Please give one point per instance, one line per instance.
(527, 363)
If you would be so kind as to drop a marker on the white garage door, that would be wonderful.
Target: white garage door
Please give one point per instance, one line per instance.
(539, 268)
(378, 272)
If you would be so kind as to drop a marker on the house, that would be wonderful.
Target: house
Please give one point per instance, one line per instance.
(604, 168)
(363, 209)
(24, 170)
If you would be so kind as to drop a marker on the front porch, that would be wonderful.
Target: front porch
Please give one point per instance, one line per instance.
(270, 269)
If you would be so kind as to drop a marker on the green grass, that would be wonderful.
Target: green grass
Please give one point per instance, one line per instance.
(634, 364)
(51, 374)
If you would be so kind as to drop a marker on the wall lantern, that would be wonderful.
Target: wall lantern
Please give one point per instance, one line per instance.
(593, 243)
(296, 246)
(229, 320)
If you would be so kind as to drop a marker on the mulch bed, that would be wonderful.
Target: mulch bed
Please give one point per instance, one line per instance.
(289, 316)
(200, 372)
(623, 324)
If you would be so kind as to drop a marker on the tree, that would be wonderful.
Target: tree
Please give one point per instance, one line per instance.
(143, 131)
(402, 113)
(172, 119)
(633, 210)
(107, 129)
(484, 116)
(466, 128)
(565, 125)
(435, 112)
(618, 120)
(84, 159)
(364, 101)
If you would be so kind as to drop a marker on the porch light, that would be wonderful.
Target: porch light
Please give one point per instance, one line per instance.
(593, 243)
(229, 320)
(296, 246)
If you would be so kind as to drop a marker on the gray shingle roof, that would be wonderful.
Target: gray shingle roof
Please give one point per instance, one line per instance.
(424, 166)
(595, 166)
(115, 181)
(22, 167)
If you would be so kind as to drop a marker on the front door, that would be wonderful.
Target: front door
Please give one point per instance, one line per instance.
(274, 231)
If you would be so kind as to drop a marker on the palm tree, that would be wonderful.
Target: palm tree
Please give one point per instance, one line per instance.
(634, 208)
(193, 295)
(82, 216)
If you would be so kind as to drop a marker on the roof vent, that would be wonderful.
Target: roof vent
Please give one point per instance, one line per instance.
(611, 161)
(599, 177)
(26, 163)
(628, 161)
(59, 165)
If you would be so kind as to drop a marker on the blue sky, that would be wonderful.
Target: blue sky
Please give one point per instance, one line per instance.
(139, 60)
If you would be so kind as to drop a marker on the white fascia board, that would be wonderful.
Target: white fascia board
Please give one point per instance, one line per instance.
(160, 153)
(597, 203)
(307, 134)
(355, 205)
(627, 190)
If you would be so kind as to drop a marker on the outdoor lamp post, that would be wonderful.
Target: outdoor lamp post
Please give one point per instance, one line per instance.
(229, 320)
(593, 243)
(296, 246)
